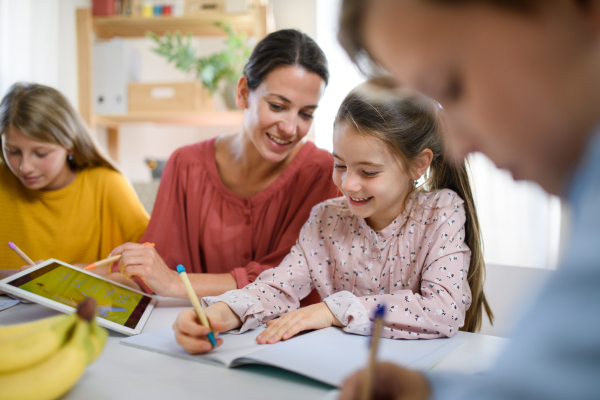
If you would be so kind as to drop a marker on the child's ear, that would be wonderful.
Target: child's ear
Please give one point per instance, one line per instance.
(242, 92)
(421, 162)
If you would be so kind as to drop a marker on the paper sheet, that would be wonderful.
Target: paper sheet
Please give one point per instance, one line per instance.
(4, 304)
(163, 341)
(25, 313)
(326, 355)
(331, 355)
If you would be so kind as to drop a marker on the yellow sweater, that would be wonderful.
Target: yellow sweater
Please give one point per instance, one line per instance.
(81, 222)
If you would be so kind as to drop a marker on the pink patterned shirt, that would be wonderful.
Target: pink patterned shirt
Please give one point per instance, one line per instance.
(417, 267)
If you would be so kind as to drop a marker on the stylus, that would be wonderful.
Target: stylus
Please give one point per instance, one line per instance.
(20, 253)
(196, 303)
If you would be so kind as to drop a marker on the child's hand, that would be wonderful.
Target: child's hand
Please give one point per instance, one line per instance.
(24, 267)
(391, 382)
(192, 335)
(316, 316)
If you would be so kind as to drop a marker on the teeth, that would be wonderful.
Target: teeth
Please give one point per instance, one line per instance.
(277, 140)
(357, 199)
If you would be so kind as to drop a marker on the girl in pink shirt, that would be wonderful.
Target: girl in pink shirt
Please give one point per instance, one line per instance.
(415, 249)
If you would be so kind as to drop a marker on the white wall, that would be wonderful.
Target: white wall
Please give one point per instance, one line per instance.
(37, 43)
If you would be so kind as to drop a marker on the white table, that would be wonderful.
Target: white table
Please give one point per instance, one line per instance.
(123, 372)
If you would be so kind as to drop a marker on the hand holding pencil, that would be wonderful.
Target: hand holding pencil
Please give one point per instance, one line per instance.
(201, 338)
(384, 380)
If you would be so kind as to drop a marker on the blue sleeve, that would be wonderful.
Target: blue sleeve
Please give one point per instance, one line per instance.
(555, 351)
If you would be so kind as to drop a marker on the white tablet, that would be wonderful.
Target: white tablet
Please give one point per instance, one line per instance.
(61, 287)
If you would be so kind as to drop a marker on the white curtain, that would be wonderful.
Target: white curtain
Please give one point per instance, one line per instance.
(521, 224)
(38, 44)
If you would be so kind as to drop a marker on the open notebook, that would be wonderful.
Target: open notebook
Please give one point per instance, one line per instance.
(326, 355)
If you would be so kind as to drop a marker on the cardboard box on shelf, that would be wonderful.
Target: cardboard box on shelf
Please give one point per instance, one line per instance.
(200, 7)
(178, 96)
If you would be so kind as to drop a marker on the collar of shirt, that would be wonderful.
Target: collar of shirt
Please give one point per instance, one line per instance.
(585, 171)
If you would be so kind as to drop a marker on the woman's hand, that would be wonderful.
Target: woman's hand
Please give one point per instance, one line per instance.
(316, 316)
(391, 382)
(145, 262)
(193, 336)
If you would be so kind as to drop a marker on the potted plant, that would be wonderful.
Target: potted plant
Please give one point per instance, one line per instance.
(218, 72)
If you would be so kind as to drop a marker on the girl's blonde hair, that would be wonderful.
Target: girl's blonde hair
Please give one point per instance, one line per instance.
(407, 124)
(44, 114)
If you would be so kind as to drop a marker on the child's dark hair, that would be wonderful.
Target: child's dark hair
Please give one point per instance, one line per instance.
(407, 125)
(285, 47)
(44, 114)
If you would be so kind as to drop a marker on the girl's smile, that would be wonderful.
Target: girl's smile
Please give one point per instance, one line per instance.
(369, 176)
(359, 202)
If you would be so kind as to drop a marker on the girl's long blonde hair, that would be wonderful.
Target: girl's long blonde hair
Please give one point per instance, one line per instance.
(44, 114)
(407, 124)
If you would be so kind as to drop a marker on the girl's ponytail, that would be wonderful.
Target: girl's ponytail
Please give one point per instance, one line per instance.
(449, 175)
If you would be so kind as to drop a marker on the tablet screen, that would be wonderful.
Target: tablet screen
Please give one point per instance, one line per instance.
(70, 286)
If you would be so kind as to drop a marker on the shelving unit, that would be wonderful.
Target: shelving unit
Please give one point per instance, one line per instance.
(256, 23)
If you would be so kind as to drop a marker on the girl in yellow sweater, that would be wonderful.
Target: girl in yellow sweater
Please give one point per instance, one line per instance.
(60, 196)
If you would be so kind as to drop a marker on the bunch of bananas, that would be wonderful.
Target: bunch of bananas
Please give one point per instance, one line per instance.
(44, 359)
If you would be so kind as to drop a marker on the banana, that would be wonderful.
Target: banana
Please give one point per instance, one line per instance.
(54, 376)
(98, 338)
(12, 330)
(29, 348)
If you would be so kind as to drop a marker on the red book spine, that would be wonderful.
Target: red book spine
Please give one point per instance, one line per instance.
(103, 7)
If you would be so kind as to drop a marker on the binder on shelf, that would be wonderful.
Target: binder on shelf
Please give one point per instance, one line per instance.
(115, 64)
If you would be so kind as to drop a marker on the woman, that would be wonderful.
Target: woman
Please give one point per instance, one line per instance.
(519, 80)
(231, 207)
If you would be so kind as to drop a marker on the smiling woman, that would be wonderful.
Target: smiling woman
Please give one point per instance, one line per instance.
(231, 207)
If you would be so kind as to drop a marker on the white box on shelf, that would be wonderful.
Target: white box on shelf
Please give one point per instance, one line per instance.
(237, 6)
(115, 64)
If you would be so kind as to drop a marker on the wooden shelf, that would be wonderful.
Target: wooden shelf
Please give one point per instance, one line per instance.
(225, 118)
(127, 26)
(257, 23)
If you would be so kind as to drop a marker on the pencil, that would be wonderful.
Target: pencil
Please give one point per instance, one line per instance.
(196, 303)
(367, 392)
(109, 260)
(20, 253)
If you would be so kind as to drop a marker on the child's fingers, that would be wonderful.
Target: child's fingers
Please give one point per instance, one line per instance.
(276, 331)
(24, 267)
(290, 329)
(272, 327)
(187, 323)
(217, 325)
(193, 345)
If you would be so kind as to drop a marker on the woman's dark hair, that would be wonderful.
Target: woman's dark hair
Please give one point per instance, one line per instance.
(407, 125)
(285, 47)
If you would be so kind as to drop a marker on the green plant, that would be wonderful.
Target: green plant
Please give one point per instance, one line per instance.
(226, 65)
